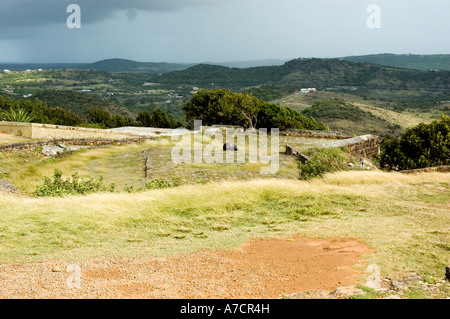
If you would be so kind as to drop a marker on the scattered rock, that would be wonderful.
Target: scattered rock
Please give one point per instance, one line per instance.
(399, 285)
(49, 150)
(230, 147)
(7, 188)
(345, 292)
(412, 278)
(56, 269)
(308, 294)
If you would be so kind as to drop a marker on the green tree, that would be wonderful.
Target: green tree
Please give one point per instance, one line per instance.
(144, 119)
(221, 106)
(101, 116)
(424, 145)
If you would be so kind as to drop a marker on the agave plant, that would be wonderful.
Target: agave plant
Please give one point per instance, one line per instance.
(16, 115)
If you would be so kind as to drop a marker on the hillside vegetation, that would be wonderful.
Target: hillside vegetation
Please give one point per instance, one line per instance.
(407, 61)
(397, 98)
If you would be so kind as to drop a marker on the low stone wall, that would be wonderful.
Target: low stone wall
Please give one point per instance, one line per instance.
(84, 142)
(439, 169)
(47, 131)
(363, 146)
(315, 134)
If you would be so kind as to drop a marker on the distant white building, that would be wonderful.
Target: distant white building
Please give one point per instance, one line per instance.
(6, 71)
(308, 90)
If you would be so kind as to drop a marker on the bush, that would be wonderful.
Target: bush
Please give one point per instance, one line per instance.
(322, 161)
(16, 115)
(70, 186)
(157, 184)
(424, 145)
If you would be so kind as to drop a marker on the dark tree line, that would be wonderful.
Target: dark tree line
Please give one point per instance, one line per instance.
(37, 111)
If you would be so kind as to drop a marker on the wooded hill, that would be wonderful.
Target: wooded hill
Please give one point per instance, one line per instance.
(324, 74)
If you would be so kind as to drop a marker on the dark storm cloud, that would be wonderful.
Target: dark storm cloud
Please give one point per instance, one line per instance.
(35, 13)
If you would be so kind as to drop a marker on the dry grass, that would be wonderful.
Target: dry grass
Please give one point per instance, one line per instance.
(404, 218)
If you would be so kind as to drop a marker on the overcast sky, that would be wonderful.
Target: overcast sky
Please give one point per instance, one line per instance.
(219, 30)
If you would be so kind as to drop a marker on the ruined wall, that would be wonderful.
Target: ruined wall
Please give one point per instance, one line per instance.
(47, 131)
(315, 134)
(438, 169)
(363, 146)
(73, 142)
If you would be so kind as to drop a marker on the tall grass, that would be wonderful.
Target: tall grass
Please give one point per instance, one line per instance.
(388, 211)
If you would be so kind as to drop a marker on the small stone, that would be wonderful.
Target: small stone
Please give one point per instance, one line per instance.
(347, 291)
(398, 285)
(230, 147)
(56, 269)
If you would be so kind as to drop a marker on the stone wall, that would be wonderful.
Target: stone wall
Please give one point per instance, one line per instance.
(47, 131)
(315, 134)
(84, 142)
(438, 169)
(363, 146)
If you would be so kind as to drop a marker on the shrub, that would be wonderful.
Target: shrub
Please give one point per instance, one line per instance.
(58, 186)
(16, 115)
(322, 161)
(424, 145)
(157, 184)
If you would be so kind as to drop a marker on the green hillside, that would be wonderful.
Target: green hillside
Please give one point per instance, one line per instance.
(79, 102)
(376, 81)
(407, 61)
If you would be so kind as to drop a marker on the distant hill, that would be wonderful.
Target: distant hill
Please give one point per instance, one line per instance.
(407, 61)
(124, 65)
(109, 65)
(319, 73)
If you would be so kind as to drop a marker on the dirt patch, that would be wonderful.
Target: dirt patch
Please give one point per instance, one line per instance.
(261, 268)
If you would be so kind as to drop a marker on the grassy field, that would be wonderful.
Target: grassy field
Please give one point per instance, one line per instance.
(124, 165)
(403, 218)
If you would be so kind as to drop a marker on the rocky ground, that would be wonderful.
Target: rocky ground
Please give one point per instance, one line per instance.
(7, 188)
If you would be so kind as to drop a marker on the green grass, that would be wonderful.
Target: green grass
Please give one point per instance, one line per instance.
(372, 207)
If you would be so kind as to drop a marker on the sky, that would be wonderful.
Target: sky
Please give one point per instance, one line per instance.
(195, 31)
